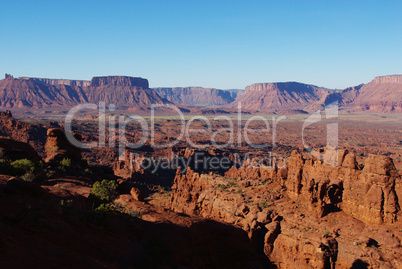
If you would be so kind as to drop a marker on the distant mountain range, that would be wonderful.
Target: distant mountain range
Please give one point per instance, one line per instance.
(383, 94)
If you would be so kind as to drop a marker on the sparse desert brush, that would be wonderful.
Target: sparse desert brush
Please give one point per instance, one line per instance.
(28, 177)
(73, 167)
(104, 191)
(65, 164)
(22, 167)
(103, 209)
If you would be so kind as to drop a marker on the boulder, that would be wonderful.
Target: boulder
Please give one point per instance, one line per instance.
(137, 194)
(350, 161)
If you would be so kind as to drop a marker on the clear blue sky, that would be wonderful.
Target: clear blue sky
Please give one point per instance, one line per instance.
(221, 44)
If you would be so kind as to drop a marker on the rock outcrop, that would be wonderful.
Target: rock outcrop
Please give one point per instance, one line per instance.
(307, 215)
(17, 130)
(369, 195)
(58, 147)
(15, 150)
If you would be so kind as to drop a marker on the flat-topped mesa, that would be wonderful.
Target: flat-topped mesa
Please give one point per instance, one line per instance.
(68, 82)
(289, 86)
(120, 81)
(388, 79)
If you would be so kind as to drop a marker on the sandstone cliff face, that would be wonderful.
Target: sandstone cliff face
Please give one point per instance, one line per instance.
(309, 215)
(368, 194)
(120, 81)
(124, 97)
(197, 96)
(269, 97)
(69, 82)
(388, 79)
(22, 93)
(382, 94)
(124, 92)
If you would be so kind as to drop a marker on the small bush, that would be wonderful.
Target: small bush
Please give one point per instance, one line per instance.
(66, 163)
(22, 167)
(73, 167)
(104, 209)
(28, 177)
(104, 191)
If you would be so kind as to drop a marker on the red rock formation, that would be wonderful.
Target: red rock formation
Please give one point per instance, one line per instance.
(197, 96)
(120, 81)
(22, 93)
(69, 82)
(299, 234)
(58, 147)
(368, 195)
(269, 97)
(20, 131)
(382, 94)
(50, 226)
(124, 92)
(15, 150)
(137, 194)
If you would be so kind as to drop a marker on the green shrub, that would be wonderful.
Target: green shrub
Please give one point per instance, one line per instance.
(104, 191)
(66, 162)
(22, 167)
(104, 209)
(28, 177)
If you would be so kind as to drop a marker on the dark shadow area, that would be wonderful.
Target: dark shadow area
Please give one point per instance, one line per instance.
(359, 264)
(51, 234)
(372, 243)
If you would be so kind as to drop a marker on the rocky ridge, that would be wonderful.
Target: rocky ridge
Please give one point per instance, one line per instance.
(124, 92)
(197, 96)
(382, 94)
(270, 97)
(296, 214)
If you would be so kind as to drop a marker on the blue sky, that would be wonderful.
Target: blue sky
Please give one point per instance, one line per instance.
(221, 44)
